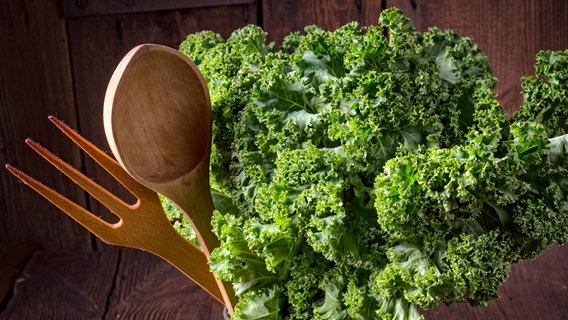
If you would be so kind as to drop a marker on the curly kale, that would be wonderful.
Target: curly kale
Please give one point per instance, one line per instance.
(365, 176)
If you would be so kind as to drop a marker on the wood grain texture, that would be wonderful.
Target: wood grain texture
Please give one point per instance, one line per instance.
(14, 257)
(279, 18)
(110, 284)
(148, 288)
(99, 43)
(48, 289)
(35, 81)
(74, 8)
(510, 32)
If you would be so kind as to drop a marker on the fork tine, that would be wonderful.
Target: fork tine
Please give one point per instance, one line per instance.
(109, 200)
(104, 160)
(94, 224)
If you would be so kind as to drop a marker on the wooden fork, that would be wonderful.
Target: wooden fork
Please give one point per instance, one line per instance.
(142, 225)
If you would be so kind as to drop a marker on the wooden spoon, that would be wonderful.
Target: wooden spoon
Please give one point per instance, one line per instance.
(157, 118)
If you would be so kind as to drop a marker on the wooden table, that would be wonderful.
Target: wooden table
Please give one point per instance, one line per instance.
(131, 284)
(109, 284)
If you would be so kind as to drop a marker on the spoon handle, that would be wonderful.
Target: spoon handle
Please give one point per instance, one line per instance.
(201, 223)
(202, 210)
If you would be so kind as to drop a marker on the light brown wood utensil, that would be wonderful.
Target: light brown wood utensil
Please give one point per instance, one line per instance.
(142, 225)
(157, 117)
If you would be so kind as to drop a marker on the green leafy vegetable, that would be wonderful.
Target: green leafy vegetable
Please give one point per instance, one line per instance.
(179, 220)
(360, 176)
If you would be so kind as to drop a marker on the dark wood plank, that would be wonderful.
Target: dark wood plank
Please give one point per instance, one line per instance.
(147, 287)
(35, 81)
(279, 18)
(511, 32)
(14, 257)
(99, 43)
(109, 284)
(74, 8)
(49, 289)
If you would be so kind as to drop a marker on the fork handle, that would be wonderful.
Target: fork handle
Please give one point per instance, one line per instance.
(187, 258)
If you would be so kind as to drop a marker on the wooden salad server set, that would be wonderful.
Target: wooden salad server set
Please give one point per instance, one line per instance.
(157, 120)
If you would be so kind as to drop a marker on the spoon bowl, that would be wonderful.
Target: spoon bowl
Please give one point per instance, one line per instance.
(159, 110)
(157, 118)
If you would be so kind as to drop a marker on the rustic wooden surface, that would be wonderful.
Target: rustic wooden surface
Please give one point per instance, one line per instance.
(14, 257)
(63, 289)
(56, 64)
(110, 284)
(35, 78)
(74, 8)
